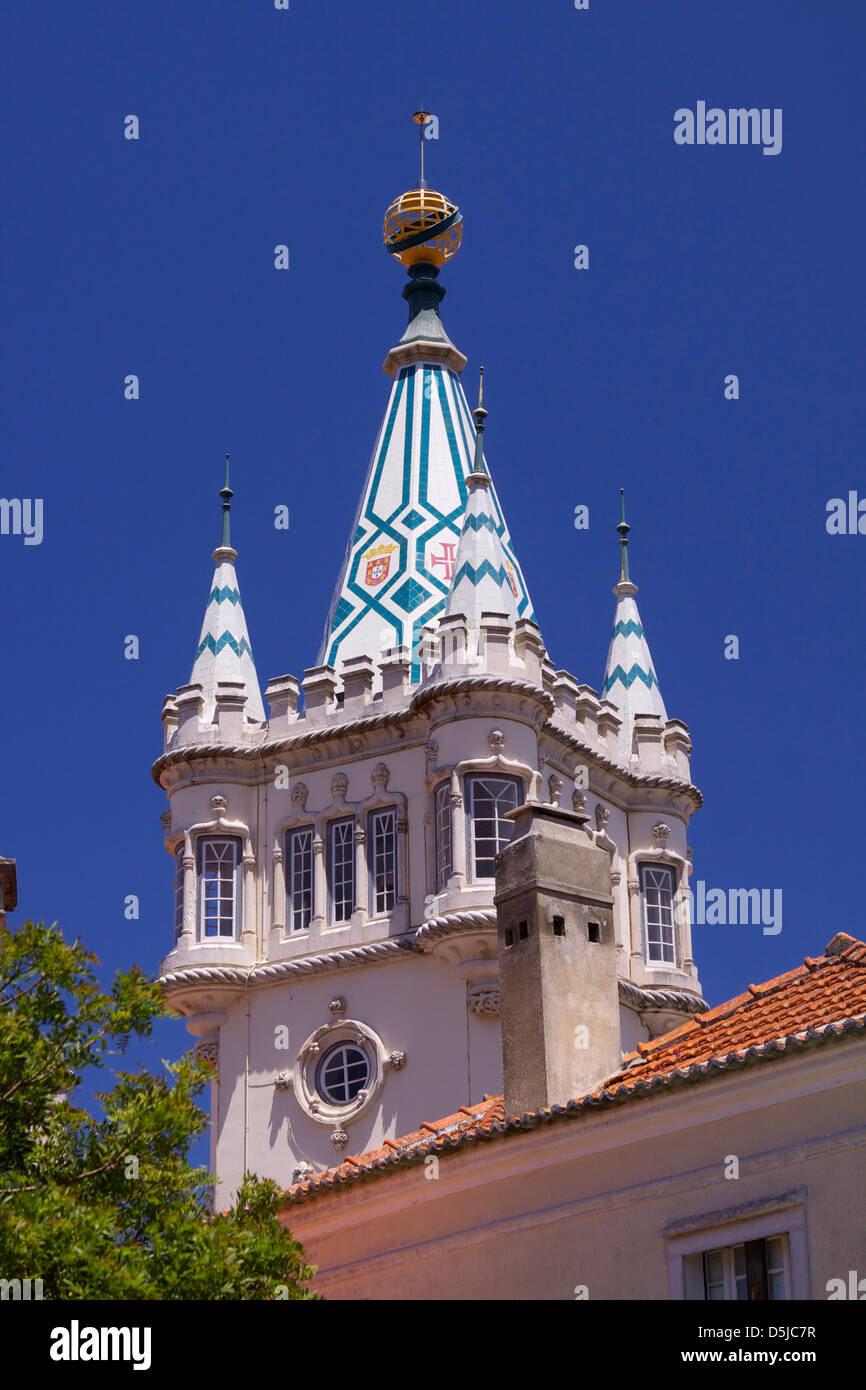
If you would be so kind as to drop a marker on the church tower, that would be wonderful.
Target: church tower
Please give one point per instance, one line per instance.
(335, 933)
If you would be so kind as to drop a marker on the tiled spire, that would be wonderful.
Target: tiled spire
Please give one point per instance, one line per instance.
(399, 564)
(483, 580)
(224, 652)
(630, 681)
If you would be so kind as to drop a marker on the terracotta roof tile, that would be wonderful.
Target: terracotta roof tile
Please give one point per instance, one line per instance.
(823, 999)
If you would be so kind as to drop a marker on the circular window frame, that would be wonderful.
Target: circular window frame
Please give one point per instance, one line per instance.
(309, 1062)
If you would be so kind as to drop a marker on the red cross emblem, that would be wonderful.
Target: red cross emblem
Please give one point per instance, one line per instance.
(446, 560)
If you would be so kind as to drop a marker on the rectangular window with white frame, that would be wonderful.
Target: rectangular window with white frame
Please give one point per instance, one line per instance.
(658, 886)
(757, 1251)
(753, 1271)
(443, 836)
(219, 872)
(341, 869)
(299, 877)
(382, 858)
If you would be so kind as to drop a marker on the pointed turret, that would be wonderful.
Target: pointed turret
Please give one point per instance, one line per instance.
(630, 681)
(224, 653)
(400, 562)
(481, 582)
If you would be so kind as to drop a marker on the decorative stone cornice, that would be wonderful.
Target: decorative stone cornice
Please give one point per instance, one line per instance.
(682, 1000)
(271, 973)
(470, 920)
(335, 729)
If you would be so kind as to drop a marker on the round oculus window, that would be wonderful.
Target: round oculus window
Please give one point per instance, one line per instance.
(342, 1073)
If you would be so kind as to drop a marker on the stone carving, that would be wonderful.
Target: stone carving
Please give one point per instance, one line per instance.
(337, 1006)
(661, 833)
(219, 805)
(554, 787)
(165, 820)
(339, 786)
(578, 801)
(283, 1081)
(380, 775)
(602, 816)
(496, 739)
(208, 1051)
(396, 1060)
(303, 1171)
(484, 1000)
(339, 1138)
(300, 792)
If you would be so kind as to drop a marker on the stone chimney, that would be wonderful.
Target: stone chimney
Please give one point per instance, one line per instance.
(557, 959)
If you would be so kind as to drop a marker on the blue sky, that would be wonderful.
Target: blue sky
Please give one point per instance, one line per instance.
(155, 257)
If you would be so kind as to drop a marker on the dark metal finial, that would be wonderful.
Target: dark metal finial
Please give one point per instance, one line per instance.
(226, 494)
(623, 528)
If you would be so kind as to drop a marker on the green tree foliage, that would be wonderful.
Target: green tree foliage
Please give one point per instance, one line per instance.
(109, 1207)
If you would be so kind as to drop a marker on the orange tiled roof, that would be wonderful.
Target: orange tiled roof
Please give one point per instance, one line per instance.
(823, 999)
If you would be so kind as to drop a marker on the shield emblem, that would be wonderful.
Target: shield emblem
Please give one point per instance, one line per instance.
(378, 565)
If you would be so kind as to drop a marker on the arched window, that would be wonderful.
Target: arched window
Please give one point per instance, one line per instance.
(443, 836)
(490, 798)
(299, 877)
(219, 888)
(382, 843)
(341, 868)
(657, 896)
(178, 891)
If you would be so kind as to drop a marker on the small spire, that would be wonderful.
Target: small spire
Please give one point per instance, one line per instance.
(226, 494)
(479, 415)
(623, 529)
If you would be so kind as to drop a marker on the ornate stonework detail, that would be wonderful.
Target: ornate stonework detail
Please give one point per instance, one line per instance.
(380, 776)
(634, 885)
(318, 845)
(615, 877)
(661, 833)
(496, 739)
(578, 801)
(283, 1081)
(219, 805)
(339, 1138)
(554, 787)
(360, 835)
(303, 1171)
(208, 1051)
(165, 820)
(396, 1060)
(189, 861)
(339, 786)
(431, 750)
(402, 827)
(337, 1006)
(278, 855)
(300, 792)
(456, 798)
(602, 816)
(484, 1000)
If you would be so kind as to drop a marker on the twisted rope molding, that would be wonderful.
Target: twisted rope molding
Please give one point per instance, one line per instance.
(437, 927)
(393, 949)
(421, 939)
(680, 999)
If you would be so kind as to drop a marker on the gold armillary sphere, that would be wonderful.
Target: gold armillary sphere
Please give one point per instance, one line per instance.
(423, 225)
